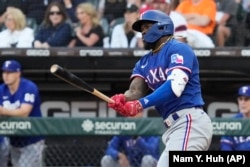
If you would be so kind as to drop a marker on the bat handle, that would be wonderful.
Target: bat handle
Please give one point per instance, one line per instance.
(102, 96)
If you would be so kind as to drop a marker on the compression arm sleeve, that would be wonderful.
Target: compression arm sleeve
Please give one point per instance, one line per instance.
(159, 96)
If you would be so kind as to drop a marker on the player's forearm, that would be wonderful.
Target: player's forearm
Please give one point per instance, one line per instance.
(159, 96)
(137, 89)
(13, 113)
(199, 20)
(133, 95)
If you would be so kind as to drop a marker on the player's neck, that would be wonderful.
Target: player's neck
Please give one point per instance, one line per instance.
(161, 44)
(13, 87)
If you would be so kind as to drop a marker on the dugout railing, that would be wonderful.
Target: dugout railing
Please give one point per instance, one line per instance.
(82, 141)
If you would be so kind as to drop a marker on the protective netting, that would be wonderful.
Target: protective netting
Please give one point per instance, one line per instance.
(76, 151)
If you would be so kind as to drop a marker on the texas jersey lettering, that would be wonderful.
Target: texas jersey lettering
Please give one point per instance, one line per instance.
(155, 69)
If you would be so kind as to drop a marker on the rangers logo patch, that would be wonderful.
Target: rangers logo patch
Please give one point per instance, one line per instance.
(176, 58)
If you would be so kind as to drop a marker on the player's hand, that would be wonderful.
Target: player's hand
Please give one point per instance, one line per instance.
(123, 160)
(131, 108)
(119, 101)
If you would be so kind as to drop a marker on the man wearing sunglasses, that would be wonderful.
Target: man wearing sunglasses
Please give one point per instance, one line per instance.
(239, 143)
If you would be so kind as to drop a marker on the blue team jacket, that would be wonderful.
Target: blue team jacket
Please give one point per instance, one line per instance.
(134, 147)
(235, 143)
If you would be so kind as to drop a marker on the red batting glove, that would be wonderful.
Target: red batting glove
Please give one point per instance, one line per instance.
(119, 101)
(131, 108)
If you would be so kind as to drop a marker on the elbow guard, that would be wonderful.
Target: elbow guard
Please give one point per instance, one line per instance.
(179, 80)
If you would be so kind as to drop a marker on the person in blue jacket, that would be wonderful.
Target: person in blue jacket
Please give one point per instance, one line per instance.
(239, 143)
(55, 30)
(132, 151)
(20, 97)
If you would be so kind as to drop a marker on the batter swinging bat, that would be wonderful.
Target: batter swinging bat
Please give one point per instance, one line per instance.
(75, 81)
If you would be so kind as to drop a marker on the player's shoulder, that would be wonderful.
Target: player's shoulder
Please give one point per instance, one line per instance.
(2, 87)
(144, 58)
(238, 115)
(27, 83)
(175, 45)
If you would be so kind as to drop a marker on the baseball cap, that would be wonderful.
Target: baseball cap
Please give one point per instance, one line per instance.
(132, 8)
(11, 66)
(244, 91)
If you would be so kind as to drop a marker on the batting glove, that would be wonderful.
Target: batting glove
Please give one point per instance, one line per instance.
(131, 108)
(119, 101)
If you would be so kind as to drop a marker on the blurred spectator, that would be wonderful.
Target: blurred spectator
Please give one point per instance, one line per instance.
(16, 34)
(132, 151)
(89, 32)
(123, 36)
(200, 15)
(21, 99)
(138, 3)
(54, 31)
(35, 10)
(246, 5)
(5, 4)
(70, 6)
(239, 143)
(180, 23)
(111, 9)
(175, 3)
(146, 5)
(194, 38)
(226, 22)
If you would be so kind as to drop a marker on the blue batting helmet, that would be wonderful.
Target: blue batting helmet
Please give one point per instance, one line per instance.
(163, 25)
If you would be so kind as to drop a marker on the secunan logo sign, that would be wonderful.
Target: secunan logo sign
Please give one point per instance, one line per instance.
(10, 127)
(13, 125)
(221, 127)
(107, 127)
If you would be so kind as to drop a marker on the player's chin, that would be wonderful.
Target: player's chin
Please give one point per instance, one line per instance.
(148, 46)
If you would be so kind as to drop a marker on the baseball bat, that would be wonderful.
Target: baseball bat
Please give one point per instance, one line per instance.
(75, 81)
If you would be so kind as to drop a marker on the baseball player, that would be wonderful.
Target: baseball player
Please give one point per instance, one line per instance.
(19, 97)
(132, 151)
(239, 143)
(171, 71)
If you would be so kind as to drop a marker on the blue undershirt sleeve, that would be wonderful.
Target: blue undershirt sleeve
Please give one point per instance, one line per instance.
(159, 96)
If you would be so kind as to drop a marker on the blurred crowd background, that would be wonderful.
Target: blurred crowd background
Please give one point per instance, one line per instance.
(107, 23)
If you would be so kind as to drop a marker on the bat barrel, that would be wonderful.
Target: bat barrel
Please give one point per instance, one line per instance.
(75, 81)
(54, 68)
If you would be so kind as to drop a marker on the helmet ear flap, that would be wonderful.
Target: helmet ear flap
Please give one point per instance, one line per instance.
(153, 34)
(167, 29)
(158, 30)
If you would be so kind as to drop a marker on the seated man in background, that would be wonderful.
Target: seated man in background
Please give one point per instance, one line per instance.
(239, 143)
(123, 36)
(194, 38)
(200, 14)
(20, 98)
(226, 21)
(131, 151)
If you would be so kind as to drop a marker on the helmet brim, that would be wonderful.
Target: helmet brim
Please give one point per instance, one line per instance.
(137, 24)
